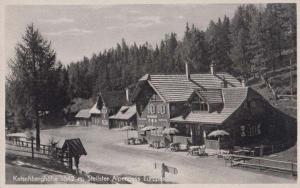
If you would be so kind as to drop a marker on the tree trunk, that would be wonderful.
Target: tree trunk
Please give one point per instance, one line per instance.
(37, 126)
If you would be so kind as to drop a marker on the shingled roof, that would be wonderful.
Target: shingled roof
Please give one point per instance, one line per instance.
(84, 113)
(175, 88)
(95, 110)
(125, 113)
(74, 146)
(210, 95)
(113, 98)
(233, 99)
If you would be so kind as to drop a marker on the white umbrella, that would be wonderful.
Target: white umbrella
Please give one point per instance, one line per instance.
(170, 130)
(218, 133)
(148, 128)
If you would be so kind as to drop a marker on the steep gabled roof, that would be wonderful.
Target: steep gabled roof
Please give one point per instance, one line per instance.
(84, 113)
(125, 113)
(74, 146)
(174, 88)
(233, 99)
(95, 110)
(113, 98)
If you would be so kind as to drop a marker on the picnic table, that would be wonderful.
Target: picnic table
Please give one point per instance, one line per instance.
(244, 151)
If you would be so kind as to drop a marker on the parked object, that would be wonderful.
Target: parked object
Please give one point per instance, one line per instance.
(127, 128)
(148, 128)
(170, 131)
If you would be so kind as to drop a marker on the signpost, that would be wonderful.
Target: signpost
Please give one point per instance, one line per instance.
(164, 168)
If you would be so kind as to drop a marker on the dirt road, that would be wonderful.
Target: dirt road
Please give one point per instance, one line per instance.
(108, 154)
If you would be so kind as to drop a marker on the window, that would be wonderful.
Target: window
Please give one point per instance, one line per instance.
(159, 109)
(203, 106)
(199, 106)
(250, 130)
(153, 109)
(163, 109)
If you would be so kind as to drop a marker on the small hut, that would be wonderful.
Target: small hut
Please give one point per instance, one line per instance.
(75, 149)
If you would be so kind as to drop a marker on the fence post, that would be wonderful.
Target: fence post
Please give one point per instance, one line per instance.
(44, 149)
(32, 149)
(259, 164)
(292, 168)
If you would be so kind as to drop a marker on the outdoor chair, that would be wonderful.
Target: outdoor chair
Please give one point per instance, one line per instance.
(174, 147)
(202, 151)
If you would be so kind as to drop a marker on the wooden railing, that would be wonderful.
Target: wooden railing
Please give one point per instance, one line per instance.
(262, 163)
(47, 151)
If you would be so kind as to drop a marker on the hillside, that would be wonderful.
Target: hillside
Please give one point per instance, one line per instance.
(280, 81)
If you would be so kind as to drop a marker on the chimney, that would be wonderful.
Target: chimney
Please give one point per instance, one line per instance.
(127, 94)
(212, 68)
(187, 72)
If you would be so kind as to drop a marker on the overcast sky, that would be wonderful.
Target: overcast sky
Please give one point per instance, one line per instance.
(77, 31)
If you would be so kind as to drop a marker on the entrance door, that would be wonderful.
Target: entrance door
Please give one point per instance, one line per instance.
(197, 135)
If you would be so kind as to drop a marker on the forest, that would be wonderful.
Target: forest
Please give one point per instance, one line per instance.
(257, 37)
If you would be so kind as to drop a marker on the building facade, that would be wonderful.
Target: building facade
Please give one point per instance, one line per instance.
(197, 104)
(108, 104)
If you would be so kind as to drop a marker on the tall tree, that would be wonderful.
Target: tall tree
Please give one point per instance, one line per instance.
(32, 72)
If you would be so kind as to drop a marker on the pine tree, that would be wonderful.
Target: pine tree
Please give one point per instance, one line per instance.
(32, 72)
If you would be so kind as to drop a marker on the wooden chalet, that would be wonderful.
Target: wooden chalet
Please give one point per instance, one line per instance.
(126, 116)
(109, 103)
(83, 117)
(197, 104)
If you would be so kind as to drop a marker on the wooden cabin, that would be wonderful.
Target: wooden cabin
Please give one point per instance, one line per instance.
(126, 116)
(83, 117)
(197, 104)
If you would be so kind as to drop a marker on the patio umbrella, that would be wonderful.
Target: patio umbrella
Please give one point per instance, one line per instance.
(126, 128)
(218, 133)
(148, 128)
(170, 130)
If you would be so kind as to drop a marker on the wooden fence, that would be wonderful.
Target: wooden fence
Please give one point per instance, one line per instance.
(262, 164)
(45, 151)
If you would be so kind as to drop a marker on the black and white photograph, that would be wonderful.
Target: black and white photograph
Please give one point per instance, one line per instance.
(150, 93)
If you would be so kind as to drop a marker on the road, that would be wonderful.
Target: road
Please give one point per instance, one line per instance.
(108, 154)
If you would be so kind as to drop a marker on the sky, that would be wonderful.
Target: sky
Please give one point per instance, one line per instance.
(78, 31)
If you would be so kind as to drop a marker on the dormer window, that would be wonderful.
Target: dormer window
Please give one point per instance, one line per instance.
(199, 106)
